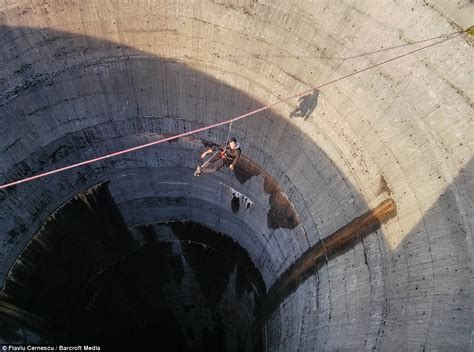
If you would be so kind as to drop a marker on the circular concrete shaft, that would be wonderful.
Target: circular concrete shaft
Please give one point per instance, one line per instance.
(79, 80)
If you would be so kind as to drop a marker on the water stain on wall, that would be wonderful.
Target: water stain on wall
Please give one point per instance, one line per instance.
(282, 214)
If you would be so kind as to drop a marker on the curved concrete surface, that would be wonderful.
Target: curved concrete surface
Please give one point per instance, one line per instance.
(83, 79)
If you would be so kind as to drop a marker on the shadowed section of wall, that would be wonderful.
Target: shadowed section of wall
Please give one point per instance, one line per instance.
(68, 123)
(434, 268)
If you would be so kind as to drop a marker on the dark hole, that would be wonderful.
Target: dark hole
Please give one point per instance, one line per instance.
(235, 204)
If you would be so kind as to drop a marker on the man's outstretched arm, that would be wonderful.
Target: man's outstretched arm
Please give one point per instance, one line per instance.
(209, 151)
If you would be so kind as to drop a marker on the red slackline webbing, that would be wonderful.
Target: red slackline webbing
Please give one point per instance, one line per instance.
(146, 145)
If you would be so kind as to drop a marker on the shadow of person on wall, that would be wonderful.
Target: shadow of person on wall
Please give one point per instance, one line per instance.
(307, 104)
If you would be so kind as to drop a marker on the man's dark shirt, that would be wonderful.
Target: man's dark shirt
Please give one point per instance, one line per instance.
(231, 155)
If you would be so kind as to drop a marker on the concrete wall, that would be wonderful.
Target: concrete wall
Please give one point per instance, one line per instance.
(82, 79)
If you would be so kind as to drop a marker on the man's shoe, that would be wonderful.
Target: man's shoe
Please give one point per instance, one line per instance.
(198, 171)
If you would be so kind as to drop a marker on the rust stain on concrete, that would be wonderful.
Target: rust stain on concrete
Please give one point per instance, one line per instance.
(333, 245)
(281, 214)
(383, 187)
